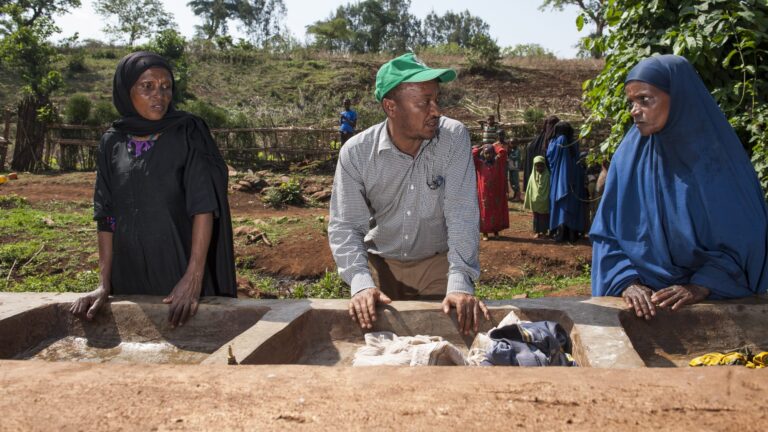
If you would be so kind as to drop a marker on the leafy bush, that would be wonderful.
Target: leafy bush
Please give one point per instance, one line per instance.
(103, 113)
(527, 50)
(12, 201)
(214, 116)
(76, 62)
(78, 109)
(287, 193)
(484, 54)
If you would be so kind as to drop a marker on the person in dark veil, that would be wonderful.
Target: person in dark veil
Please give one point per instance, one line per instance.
(160, 199)
(566, 220)
(683, 217)
(538, 147)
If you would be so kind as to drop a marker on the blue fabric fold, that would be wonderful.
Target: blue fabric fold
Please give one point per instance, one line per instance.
(565, 177)
(684, 205)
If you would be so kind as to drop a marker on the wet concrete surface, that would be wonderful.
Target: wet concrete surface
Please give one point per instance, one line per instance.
(124, 331)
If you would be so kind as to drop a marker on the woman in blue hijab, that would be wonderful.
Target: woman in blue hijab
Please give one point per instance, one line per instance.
(683, 217)
(565, 217)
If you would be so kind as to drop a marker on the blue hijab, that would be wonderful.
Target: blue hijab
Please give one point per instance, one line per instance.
(565, 177)
(682, 206)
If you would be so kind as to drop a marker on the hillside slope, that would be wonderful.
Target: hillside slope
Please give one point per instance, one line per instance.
(306, 88)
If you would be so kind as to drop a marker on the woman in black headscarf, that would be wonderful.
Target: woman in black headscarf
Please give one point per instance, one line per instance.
(160, 200)
(538, 147)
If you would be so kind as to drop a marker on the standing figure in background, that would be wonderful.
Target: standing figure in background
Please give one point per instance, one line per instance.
(491, 165)
(347, 122)
(566, 217)
(490, 130)
(537, 196)
(538, 147)
(513, 170)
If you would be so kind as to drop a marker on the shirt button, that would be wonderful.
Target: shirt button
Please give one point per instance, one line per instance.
(406, 236)
(411, 187)
(408, 213)
(405, 254)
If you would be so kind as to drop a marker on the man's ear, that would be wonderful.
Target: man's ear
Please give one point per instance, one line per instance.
(390, 106)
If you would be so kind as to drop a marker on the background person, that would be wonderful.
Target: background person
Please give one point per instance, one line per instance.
(347, 122)
(566, 218)
(490, 130)
(160, 199)
(490, 166)
(538, 147)
(683, 217)
(403, 221)
(537, 196)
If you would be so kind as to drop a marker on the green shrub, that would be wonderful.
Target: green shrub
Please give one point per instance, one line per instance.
(76, 62)
(103, 113)
(287, 193)
(12, 201)
(78, 109)
(484, 54)
(214, 116)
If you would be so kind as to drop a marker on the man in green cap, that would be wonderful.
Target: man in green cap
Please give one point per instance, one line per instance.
(404, 213)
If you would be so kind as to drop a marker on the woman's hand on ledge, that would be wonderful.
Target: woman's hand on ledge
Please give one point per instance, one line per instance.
(677, 296)
(638, 298)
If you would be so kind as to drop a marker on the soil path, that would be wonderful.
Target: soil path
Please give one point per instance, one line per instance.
(305, 254)
(69, 396)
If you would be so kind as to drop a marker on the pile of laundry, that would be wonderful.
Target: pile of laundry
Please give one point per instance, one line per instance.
(740, 357)
(512, 343)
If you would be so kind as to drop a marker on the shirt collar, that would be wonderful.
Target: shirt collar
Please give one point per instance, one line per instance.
(385, 142)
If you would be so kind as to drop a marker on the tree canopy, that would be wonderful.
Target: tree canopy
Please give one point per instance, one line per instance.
(592, 12)
(458, 28)
(135, 18)
(261, 19)
(725, 40)
(369, 26)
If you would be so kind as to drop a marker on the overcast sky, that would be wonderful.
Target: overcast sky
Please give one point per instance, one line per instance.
(511, 22)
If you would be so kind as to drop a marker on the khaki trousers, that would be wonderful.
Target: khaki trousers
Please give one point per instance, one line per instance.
(425, 279)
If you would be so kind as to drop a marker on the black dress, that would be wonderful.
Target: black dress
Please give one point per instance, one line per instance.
(151, 199)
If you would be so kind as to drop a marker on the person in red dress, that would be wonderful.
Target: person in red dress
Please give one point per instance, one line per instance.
(490, 166)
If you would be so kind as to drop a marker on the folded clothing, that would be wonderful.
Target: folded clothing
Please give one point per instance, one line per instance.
(741, 357)
(389, 349)
(540, 343)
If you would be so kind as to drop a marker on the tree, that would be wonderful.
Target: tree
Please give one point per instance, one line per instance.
(457, 28)
(369, 26)
(135, 18)
(527, 50)
(24, 48)
(592, 12)
(484, 54)
(725, 40)
(260, 18)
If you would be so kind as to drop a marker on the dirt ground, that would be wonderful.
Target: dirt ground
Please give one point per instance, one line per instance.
(78, 396)
(513, 254)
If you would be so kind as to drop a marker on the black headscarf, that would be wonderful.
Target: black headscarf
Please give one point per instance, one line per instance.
(538, 147)
(127, 73)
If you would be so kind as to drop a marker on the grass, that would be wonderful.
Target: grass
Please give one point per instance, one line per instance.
(532, 286)
(46, 248)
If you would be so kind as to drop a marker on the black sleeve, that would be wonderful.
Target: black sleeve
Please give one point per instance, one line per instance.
(102, 194)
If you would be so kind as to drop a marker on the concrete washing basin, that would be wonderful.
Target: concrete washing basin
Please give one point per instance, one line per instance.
(125, 331)
(325, 335)
(672, 339)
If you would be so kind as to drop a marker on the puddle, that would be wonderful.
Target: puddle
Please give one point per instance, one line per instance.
(74, 348)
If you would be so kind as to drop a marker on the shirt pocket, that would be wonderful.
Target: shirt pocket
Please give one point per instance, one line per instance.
(432, 201)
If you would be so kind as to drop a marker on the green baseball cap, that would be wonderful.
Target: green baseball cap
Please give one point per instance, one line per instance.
(407, 68)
